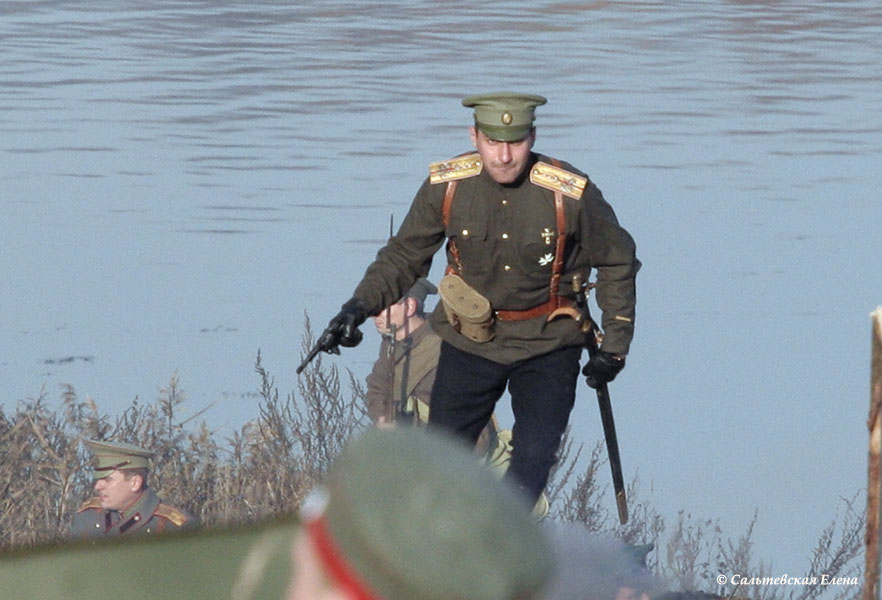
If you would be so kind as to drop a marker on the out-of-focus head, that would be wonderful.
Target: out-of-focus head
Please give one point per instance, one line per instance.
(410, 515)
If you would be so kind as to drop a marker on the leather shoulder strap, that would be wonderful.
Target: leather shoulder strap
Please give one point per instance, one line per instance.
(561, 222)
(449, 193)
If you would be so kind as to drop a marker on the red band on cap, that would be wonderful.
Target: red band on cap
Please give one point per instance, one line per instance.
(336, 563)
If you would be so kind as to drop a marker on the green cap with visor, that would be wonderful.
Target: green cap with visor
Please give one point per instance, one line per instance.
(504, 116)
(112, 456)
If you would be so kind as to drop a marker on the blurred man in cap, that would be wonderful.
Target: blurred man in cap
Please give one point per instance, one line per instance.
(404, 515)
(407, 515)
(404, 372)
(123, 504)
(523, 231)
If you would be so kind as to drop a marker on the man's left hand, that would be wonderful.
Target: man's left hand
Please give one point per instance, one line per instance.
(602, 368)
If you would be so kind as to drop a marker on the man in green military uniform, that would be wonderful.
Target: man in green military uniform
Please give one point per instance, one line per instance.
(524, 232)
(403, 515)
(123, 504)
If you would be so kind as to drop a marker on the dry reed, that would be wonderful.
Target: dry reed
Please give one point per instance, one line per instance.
(268, 465)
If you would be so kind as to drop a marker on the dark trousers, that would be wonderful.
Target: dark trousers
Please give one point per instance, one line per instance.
(543, 390)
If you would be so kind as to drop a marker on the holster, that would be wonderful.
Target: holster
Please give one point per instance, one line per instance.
(468, 311)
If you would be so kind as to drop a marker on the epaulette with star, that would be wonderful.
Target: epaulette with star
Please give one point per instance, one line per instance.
(172, 514)
(460, 167)
(558, 180)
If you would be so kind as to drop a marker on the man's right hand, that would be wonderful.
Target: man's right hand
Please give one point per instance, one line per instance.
(343, 329)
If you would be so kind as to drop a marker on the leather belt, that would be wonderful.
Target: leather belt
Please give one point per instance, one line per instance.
(544, 309)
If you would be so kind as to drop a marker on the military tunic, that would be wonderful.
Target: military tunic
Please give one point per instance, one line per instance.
(506, 235)
(503, 241)
(147, 515)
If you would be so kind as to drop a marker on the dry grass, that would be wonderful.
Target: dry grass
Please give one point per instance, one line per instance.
(269, 465)
(263, 469)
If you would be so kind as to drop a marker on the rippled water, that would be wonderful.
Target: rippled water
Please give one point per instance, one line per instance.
(181, 181)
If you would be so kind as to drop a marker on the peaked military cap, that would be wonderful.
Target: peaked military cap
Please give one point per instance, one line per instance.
(110, 456)
(408, 514)
(419, 290)
(504, 116)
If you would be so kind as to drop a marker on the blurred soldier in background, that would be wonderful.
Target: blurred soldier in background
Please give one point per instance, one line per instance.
(123, 504)
(404, 372)
(404, 379)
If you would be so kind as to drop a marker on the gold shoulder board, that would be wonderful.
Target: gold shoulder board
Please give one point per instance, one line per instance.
(171, 513)
(89, 504)
(460, 167)
(558, 180)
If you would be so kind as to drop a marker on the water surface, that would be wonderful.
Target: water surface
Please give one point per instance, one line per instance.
(181, 182)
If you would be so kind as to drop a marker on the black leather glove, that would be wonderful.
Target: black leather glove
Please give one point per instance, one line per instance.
(602, 368)
(343, 329)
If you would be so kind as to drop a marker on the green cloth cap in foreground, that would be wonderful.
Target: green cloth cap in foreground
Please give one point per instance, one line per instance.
(415, 516)
(110, 456)
(504, 116)
(249, 562)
